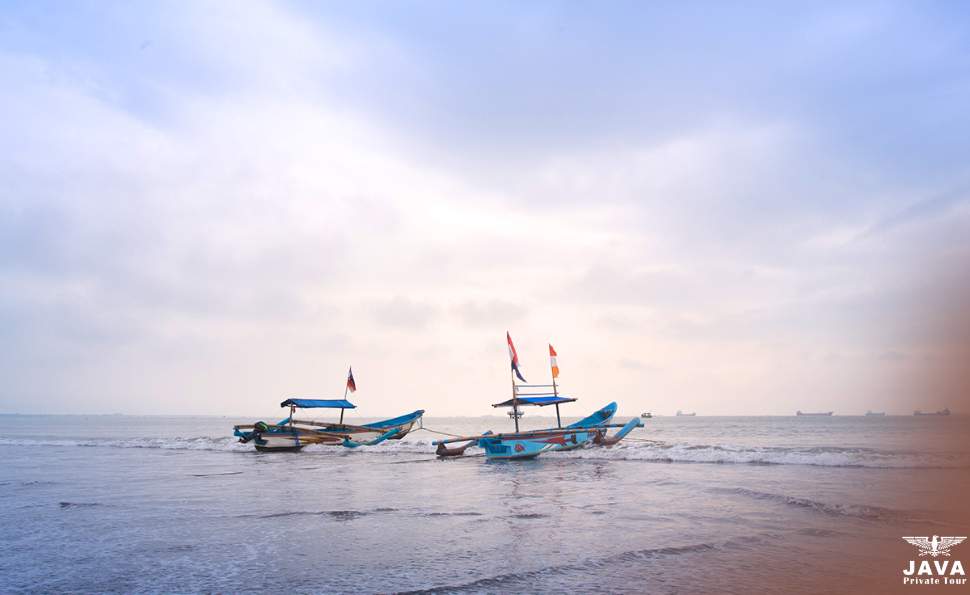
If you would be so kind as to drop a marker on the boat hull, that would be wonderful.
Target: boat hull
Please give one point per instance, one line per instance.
(528, 445)
(532, 443)
(499, 449)
(285, 437)
(278, 442)
(596, 419)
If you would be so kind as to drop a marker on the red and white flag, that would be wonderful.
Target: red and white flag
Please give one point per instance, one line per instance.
(514, 357)
(351, 385)
(553, 362)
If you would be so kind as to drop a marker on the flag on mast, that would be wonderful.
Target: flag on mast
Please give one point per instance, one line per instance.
(553, 362)
(351, 385)
(514, 357)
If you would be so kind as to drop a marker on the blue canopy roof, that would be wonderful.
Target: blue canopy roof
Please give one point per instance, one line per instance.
(537, 401)
(311, 403)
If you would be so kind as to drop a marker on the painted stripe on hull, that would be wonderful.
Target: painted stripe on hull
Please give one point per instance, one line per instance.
(279, 448)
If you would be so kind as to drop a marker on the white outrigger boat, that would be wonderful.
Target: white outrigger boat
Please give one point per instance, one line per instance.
(291, 434)
(589, 431)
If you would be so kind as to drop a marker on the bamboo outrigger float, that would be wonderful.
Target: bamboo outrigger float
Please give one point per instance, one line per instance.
(589, 431)
(292, 434)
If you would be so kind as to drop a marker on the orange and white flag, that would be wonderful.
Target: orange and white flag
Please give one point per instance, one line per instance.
(553, 362)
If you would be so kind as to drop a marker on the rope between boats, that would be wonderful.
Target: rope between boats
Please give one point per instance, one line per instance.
(437, 432)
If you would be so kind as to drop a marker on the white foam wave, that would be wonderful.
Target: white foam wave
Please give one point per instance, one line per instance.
(210, 443)
(227, 443)
(389, 446)
(629, 451)
(817, 456)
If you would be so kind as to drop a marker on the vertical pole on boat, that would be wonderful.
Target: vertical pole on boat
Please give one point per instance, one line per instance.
(342, 409)
(555, 393)
(515, 402)
(554, 369)
(292, 413)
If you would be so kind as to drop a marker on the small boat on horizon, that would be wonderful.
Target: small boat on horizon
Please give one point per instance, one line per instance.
(682, 414)
(290, 434)
(942, 412)
(646, 415)
(875, 413)
(819, 414)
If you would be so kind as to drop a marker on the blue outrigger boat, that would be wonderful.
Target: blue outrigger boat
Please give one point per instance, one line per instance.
(591, 430)
(290, 434)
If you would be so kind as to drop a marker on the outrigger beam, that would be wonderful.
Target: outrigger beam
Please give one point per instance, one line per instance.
(385, 436)
(324, 424)
(517, 435)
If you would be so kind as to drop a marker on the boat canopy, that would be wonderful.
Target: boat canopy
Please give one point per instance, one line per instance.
(537, 401)
(314, 403)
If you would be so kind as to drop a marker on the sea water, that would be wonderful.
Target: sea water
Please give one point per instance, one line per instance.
(120, 504)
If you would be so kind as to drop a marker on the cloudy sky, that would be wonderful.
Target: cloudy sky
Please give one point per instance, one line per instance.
(206, 207)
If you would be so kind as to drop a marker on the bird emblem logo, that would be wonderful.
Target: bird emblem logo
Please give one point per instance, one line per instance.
(935, 546)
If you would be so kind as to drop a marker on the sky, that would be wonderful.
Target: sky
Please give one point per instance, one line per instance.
(728, 208)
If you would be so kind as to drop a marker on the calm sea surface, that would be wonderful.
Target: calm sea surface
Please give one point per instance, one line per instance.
(705, 504)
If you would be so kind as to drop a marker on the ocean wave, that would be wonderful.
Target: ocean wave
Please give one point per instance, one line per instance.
(64, 505)
(859, 511)
(823, 456)
(227, 443)
(647, 451)
(411, 446)
(349, 515)
(511, 581)
(339, 515)
(210, 443)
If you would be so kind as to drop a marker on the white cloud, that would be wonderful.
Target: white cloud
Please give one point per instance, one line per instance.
(177, 244)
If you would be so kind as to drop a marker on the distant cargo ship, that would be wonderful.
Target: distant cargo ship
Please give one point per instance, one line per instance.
(682, 414)
(944, 412)
(875, 413)
(824, 413)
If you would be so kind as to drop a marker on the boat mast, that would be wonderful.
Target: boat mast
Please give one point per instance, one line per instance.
(515, 400)
(555, 393)
(555, 389)
(342, 409)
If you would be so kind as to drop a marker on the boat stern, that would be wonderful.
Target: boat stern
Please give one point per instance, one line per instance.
(508, 449)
